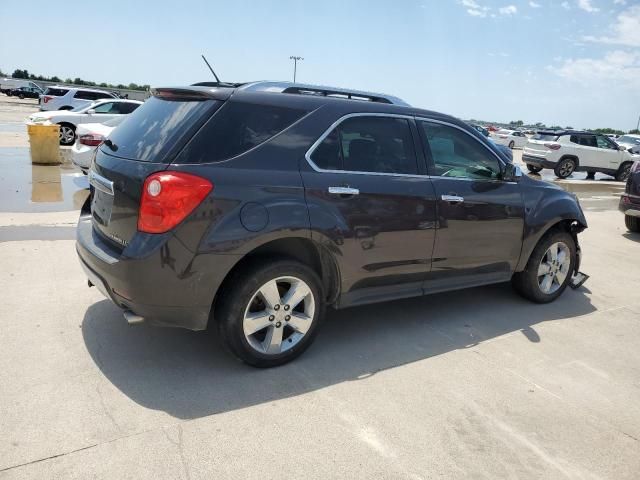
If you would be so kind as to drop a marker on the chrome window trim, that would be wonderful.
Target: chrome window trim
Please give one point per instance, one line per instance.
(326, 133)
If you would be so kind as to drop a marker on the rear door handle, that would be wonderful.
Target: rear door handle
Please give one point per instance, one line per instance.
(344, 191)
(452, 198)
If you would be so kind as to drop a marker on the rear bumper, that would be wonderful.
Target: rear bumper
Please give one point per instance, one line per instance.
(168, 285)
(538, 161)
(629, 205)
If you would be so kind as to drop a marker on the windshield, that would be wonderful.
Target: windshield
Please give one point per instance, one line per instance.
(627, 139)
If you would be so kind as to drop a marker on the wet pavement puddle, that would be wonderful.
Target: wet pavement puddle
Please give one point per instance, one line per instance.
(39, 188)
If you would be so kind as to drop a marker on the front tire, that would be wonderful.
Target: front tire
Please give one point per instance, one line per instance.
(67, 134)
(565, 168)
(533, 168)
(269, 313)
(632, 223)
(549, 268)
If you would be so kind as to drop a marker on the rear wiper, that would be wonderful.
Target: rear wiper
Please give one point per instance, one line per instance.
(111, 145)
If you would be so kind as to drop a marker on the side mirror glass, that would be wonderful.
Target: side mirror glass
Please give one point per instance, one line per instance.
(512, 173)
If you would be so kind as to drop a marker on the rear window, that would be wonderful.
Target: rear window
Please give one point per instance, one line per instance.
(236, 128)
(56, 92)
(545, 137)
(157, 130)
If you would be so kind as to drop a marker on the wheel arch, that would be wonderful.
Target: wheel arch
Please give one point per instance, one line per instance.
(300, 249)
(570, 156)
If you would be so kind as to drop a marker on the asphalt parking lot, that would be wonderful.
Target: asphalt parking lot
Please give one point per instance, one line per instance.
(473, 384)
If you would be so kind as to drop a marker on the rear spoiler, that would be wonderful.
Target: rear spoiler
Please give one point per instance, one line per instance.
(192, 93)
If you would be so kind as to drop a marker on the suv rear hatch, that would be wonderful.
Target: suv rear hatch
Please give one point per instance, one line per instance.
(52, 92)
(541, 144)
(145, 143)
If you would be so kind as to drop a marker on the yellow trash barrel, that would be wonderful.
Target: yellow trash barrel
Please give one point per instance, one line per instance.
(45, 143)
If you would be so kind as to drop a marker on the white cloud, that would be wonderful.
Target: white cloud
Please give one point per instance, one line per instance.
(617, 66)
(474, 8)
(534, 5)
(565, 5)
(508, 10)
(626, 31)
(587, 7)
(619, 2)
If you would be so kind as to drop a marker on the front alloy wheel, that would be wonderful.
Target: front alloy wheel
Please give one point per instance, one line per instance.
(554, 268)
(67, 135)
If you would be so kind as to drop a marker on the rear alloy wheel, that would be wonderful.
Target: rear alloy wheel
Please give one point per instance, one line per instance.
(549, 268)
(67, 135)
(271, 313)
(632, 223)
(533, 168)
(623, 172)
(21, 96)
(512, 144)
(565, 168)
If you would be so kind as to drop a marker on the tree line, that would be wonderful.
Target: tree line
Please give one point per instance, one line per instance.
(24, 74)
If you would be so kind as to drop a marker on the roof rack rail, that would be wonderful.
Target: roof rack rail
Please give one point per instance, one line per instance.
(316, 90)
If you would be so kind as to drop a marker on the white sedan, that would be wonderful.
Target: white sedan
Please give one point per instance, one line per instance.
(90, 136)
(98, 112)
(510, 138)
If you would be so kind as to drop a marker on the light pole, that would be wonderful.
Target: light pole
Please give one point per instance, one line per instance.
(295, 65)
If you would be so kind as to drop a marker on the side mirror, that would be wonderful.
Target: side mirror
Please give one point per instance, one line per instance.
(511, 173)
(621, 147)
(91, 111)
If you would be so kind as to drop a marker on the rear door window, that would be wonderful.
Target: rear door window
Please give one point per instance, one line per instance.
(159, 129)
(372, 144)
(236, 128)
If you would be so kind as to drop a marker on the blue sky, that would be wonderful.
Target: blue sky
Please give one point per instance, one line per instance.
(573, 62)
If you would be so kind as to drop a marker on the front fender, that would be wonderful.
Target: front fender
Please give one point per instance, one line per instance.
(546, 207)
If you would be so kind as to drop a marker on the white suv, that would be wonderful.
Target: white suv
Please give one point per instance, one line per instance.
(68, 98)
(571, 151)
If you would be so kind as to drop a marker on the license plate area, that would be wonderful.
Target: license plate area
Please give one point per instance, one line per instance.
(102, 198)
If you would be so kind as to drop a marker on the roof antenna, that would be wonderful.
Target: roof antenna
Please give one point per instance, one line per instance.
(214, 73)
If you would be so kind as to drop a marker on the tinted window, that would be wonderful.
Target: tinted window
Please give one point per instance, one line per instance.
(458, 154)
(127, 107)
(109, 107)
(56, 92)
(368, 144)
(237, 128)
(584, 140)
(159, 128)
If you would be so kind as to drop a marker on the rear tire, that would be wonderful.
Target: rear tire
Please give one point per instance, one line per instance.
(622, 175)
(66, 107)
(545, 278)
(632, 223)
(565, 168)
(533, 168)
(21, 96)
(256, 322)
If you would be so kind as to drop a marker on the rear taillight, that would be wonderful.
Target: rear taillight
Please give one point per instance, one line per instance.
(167, 199)
(46, 98)
(552, 146)
(91, 139)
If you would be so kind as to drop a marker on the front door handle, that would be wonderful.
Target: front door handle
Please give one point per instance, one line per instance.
(344, 191)
(452, 198)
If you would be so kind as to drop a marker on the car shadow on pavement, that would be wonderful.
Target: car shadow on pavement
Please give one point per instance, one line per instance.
(635, 237)
(190, 375)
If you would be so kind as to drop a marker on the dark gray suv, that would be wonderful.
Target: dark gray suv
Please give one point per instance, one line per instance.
(253, 207)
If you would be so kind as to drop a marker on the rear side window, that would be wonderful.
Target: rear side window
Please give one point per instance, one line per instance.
(584, 140)
(126, 107)
(159, 128)
(56, 92)
(236, 128)
(368, 144)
